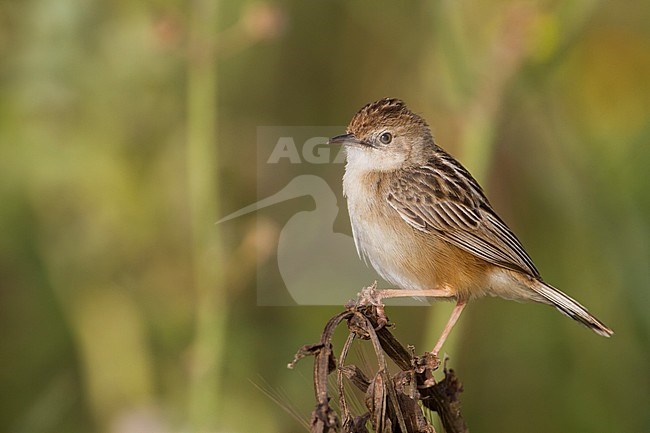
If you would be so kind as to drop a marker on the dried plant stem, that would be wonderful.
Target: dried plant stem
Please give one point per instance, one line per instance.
(392, 401)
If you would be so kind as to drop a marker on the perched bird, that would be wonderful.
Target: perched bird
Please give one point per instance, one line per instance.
(424, 223)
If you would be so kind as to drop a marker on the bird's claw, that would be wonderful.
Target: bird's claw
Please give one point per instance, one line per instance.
(370, 296)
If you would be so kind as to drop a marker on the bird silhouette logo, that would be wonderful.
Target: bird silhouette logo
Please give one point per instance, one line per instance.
(318, 265)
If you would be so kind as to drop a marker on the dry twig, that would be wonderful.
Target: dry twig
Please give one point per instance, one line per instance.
(393, 402)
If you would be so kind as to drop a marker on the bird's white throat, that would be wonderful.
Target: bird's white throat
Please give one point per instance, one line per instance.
(368, 159)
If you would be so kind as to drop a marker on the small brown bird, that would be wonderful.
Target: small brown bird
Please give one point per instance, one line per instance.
(425, 224)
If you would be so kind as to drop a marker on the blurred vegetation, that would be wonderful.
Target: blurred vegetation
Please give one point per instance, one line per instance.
(128, 128)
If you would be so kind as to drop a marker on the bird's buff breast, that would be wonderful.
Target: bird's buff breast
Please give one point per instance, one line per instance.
(382, 237)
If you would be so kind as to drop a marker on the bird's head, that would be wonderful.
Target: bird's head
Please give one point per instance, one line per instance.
(384, 136)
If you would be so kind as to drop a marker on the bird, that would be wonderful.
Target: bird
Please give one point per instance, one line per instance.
(425, 224)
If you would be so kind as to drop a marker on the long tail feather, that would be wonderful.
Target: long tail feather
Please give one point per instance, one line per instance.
(571, 308)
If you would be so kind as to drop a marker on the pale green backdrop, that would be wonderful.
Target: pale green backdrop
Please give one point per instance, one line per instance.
(127, 128)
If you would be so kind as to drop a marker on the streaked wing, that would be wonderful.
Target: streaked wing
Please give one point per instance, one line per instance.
(452, 206)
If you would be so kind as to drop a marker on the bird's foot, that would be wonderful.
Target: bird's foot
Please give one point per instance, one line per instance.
(371, 297)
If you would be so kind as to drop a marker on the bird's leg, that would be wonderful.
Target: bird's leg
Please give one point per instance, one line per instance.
(460, 305)
(403, 293)
(434, 293)
(372, 296)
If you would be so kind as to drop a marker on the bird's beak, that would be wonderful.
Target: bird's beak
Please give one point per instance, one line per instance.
(346, 139)
(342, 139)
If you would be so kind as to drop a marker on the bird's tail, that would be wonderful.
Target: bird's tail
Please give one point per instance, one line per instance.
(571, 308)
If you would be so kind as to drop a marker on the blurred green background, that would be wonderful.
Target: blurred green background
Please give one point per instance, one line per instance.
(128, 128)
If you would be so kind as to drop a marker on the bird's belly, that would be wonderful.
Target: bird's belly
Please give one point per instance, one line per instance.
(415, 260)
(393, 252)
(388, 253)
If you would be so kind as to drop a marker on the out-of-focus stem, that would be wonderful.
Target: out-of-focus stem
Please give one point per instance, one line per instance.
(202, 166)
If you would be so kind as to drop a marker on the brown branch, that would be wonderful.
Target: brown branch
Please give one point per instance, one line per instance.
(392, 401)
(323, 419)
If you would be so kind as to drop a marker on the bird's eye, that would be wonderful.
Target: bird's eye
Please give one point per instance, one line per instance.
(386, 137)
